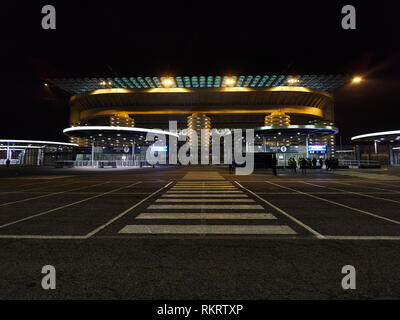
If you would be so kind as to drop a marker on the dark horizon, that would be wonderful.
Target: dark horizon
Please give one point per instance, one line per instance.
(103, 39)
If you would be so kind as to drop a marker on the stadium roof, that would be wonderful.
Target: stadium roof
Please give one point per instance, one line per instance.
(326, 83)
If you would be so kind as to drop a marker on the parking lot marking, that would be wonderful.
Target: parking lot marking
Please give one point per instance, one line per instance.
(231, 216)
(362, 237)
(90, 234)
(203, 191)
(46, 195)
(67, 205)
(207, 229)
(205, 195)
(317, 234)
(206, 206)
(337, 203)
(204, 199)
(366, 187)
(352, 192)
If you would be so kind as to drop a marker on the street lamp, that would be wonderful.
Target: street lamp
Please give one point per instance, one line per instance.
(167, 82)
(356, 80)
(230, 81)
(293, 81)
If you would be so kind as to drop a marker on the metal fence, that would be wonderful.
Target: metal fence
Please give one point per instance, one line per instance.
(360, 163)
(103, 163)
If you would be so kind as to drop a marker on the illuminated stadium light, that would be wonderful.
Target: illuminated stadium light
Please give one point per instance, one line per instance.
(356, 79)
(293, 81)
(167, 82)
(109, 128)
(39, 142)
(230, 81)
(376, 134)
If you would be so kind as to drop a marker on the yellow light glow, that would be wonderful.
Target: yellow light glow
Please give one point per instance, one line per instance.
(288, 88)
(293, 81)
(166, 90)
(167, 82)
(356, 80)
(230, 81)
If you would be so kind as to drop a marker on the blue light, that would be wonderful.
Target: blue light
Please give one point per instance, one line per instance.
(159, 148)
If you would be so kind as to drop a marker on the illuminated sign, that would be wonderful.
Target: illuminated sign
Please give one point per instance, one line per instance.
(317, 149)
(159, 148)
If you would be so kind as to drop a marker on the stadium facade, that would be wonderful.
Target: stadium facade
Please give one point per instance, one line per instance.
(292, 116)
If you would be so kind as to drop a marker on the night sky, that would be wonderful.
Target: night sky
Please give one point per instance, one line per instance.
(115, 38)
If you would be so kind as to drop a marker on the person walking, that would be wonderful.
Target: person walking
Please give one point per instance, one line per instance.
(328, 164)
(274, 163)
(314, 163)
(321, 162)
(303, 165)
(8, 163)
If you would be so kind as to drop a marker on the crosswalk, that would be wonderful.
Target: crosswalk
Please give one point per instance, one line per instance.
(211, 205)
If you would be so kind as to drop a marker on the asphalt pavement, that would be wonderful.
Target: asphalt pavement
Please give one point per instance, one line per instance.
(198, 232)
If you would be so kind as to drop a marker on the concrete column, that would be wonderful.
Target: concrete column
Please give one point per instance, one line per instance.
(264, 144)
(307, 146)
(92, 153)
(133, 151)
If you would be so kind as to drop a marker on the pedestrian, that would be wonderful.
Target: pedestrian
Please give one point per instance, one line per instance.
(321, 162)
(274, 163)
(328, 164)
(8, 163)
(303, 165)
(314, 163)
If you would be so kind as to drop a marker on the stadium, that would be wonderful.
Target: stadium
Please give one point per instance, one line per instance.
(292, 116)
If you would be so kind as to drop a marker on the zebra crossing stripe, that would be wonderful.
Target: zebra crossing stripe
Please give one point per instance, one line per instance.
(206, 206)
(219, 216)
(205, 200)
(205, 195)
(207, 229)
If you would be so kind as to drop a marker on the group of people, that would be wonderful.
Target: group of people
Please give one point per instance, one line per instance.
(331, 163)
(307, 163)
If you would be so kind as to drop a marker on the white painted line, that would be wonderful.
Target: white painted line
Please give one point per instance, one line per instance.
(338, 204)
(179, 195)
(207, 229)
(66, 206)
(231, 216)
(363, 237)
(47, 195)
(206, 206)
(203, 191)
(125, 212)
(69, 237)
(34, 183)
(366, 187)
(203, 187)
(317, 234)
(40, 187)
(204, 200)
(46, 177)
(352, 192)
(205, 182)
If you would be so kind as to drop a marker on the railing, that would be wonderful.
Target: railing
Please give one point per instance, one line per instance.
(360, 163)
(102, 163)
(12, 161)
